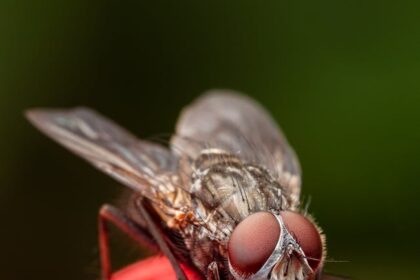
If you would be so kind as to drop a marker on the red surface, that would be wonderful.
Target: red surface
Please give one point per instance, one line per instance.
(157, 267)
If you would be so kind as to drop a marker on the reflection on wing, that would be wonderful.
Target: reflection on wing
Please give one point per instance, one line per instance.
(235, 123)
(107, 146)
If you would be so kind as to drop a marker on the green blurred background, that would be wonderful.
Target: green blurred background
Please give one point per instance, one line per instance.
(341, 78)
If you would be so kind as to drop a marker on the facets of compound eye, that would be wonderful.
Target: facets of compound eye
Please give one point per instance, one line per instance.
(306, 234)
(252, 242)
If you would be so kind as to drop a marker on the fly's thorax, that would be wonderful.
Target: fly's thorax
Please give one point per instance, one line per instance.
(233, 188)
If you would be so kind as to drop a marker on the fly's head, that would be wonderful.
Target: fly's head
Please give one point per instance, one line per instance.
(277, 246)
(267, 239)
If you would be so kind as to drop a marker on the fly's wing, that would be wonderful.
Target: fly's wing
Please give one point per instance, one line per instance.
(138, 164)
(236, 124)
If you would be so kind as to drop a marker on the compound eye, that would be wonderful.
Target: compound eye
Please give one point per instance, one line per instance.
(306, 234)
(252, 242)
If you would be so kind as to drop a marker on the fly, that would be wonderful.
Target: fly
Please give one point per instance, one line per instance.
(223, 198)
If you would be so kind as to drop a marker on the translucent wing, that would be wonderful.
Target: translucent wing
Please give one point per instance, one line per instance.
(237, 124)
(137, 164)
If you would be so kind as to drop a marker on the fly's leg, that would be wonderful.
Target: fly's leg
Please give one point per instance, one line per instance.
(213, 271)
(160, 240)
(112, 215)
(149, 236)
(318, 276)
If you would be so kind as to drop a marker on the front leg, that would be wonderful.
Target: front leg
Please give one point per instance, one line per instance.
(149, 236)
(213, 271)
(111, 214)
(155, 231)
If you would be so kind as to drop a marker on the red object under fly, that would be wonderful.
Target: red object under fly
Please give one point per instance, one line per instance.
(157, 267)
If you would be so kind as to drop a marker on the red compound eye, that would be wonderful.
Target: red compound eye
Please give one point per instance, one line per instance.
(252, 242)
(306, 234)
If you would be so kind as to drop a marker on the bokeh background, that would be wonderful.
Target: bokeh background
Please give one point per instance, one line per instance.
(341, 78)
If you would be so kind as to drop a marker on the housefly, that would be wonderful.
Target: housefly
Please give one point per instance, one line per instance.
(223, 198)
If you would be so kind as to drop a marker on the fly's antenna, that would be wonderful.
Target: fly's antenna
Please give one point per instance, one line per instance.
(307, 204)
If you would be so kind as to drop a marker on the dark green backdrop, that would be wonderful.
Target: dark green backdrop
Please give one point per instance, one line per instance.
(341, 77)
